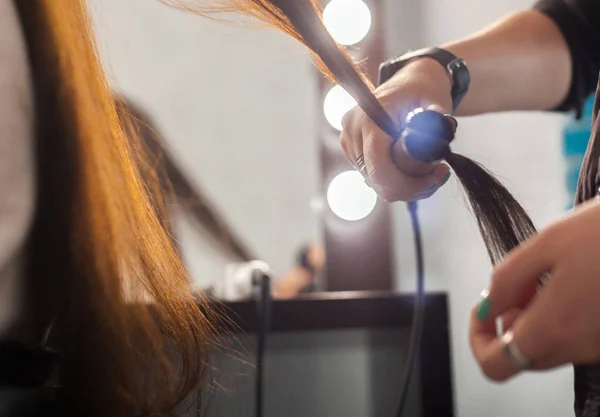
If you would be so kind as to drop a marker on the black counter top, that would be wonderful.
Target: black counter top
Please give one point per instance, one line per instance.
(338, 310)
(344, 310)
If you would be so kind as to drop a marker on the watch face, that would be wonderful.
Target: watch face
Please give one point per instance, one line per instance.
(460, 78)
(456, 64)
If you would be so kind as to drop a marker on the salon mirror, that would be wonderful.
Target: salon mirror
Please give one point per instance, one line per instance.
(236, 105)
(254, 128)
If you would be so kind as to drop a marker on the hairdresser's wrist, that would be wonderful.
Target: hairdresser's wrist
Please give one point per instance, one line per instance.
(432, 80)
(435, 71)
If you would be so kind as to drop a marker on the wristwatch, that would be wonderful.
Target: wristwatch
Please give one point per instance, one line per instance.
(456, 68)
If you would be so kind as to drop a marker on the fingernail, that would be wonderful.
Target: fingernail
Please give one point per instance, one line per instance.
(446, 178)
(484, 305)
(440, 184)
(431, 189)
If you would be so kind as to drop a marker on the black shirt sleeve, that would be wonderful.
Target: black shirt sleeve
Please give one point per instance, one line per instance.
(579, 22)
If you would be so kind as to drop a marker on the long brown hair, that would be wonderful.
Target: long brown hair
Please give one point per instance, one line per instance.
(133, 340)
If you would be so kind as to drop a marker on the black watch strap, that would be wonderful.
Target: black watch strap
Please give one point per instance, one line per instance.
(456, 68)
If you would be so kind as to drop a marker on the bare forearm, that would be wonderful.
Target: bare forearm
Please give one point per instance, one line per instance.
(521, 62)
(292, 283)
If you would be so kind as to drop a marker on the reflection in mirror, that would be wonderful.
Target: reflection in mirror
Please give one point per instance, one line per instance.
(244, 130)
(178, 190)
(227, 116)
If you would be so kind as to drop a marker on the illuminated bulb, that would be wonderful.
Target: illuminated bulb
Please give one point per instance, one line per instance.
(349, 197)
(348, 21)
(336, 104)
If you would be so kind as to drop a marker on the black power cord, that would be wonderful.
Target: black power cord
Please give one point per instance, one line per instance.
(416, 332)
(426, 138)
(262, 281)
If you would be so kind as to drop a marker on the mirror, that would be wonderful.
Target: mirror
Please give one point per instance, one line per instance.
(235, 107)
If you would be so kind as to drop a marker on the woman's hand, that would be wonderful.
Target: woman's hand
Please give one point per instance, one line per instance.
(559, 324)
(423, 83)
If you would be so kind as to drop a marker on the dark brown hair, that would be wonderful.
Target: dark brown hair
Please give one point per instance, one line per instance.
(133, 339)
(502, 221)
(159, 165)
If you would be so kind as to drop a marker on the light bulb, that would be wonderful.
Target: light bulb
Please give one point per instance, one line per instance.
(348, 21)
(349, 197)
(336, 104)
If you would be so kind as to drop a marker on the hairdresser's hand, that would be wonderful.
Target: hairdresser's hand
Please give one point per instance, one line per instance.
(558, 325)
(423, 83)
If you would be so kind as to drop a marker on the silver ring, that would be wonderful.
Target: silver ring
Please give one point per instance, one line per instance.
(452, 120)
(513, 353)
(362, 168)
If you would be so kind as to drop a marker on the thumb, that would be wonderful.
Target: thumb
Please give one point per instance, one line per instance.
(436, 107)
(516, 278)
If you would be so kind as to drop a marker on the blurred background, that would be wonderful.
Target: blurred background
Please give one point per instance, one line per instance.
(242, 110)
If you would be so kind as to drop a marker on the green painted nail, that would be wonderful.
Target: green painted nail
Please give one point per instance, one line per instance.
(446, 178)
(484, 306)
(440, 184)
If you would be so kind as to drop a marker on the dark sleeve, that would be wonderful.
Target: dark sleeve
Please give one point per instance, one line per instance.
(579, 22)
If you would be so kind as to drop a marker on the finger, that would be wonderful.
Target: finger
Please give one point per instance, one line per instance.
(515, 280)
(347, 148)
(383, 171)
(488, 350)
(425, 195)
(437, 108)
(351, 137)
(558, 328)
(539, 333)
(391, 196)
(385, 194)
(407, 164)
(481, 334)
(431, 191)
(507, 320)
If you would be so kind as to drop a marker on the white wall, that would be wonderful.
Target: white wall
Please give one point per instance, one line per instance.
(524, 151)
(238, 107)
